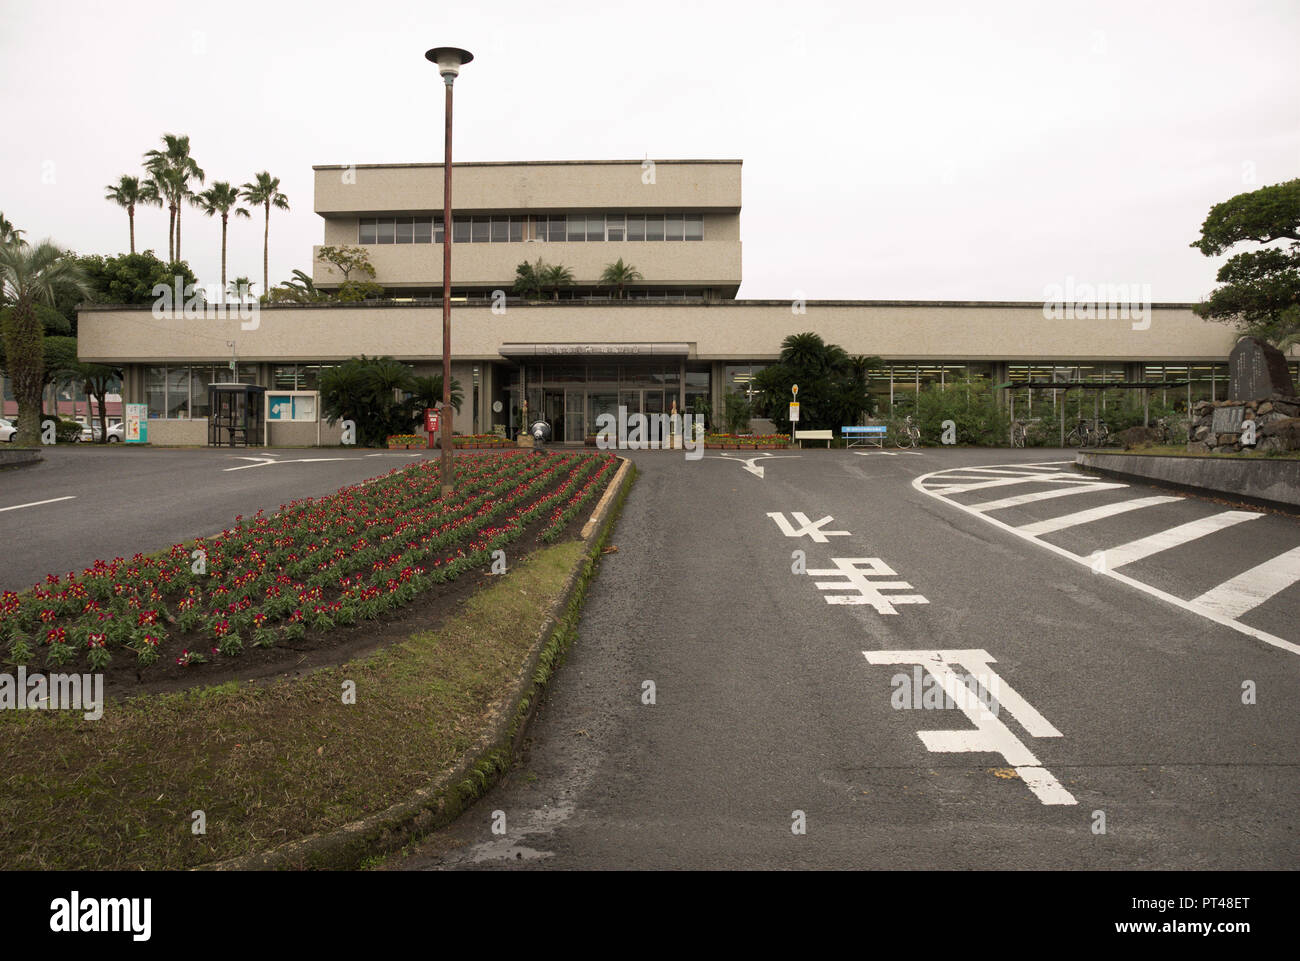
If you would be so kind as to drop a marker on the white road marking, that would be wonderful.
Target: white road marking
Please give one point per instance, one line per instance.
(1174, 536)
(855, 572)
(1252, 588)
(1054, 524)
(1206, 611)
(1041, 496)
(52, 500)
(981, 484)
(264, 461)
(806, 527)
(749, 464)
(990, 734)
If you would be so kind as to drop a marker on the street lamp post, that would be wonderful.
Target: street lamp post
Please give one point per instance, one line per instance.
(449, 61)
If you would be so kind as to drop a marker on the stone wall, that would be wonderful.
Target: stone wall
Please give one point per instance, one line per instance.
(1216, 427)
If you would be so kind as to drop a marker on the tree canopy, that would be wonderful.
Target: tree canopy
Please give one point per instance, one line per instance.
(1260, 290)
(832, 384)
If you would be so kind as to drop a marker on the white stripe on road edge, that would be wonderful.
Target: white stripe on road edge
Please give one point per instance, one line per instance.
(1252, 588)
(52, 500)
(1205, 611)
(1174, 536)
(1054, 524)
(1042, 496)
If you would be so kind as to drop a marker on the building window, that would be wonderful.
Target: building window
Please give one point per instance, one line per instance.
(573, 228)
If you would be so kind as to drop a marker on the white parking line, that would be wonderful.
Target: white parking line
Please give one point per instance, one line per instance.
(1252, 588)
(1174, 536)
(1053, 524)
(52, 500)
(1041, 496)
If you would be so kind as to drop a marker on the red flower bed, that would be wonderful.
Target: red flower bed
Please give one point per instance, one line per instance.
(316, 563)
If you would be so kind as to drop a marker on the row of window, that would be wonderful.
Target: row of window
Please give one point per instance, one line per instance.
(555, 228)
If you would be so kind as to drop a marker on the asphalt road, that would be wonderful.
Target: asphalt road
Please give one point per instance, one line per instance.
(89, 502)
(1119, 678)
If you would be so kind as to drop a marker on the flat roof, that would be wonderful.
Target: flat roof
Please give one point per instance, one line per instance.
(522, 163)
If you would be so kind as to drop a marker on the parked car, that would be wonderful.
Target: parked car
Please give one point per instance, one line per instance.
(90, 432)
(7, 431)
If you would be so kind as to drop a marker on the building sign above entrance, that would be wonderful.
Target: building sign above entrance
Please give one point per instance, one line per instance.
(580, 350)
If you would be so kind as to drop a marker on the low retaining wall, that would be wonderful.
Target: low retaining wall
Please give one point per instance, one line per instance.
(1274, 483)
(18, 456)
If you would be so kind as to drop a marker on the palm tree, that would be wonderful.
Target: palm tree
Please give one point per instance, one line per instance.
(30, 276)
(221, 198)
(175, 159)
(618, 275)
(555, 276)
(238, 287)
(128, 192)
(163, 190)
(265, 192)
(9, 234)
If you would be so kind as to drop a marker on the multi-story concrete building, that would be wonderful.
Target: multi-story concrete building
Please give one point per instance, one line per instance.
(676, 335)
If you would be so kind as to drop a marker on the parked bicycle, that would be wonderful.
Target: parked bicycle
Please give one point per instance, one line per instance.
(1087, 433)
(909, 435)
(1020, 430)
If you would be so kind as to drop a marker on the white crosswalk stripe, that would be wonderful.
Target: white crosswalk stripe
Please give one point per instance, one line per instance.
(1174, 536)
(1053, 524)
(1251, 588)
(1019, 499)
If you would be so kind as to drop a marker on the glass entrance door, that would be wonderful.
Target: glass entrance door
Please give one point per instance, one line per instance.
(631, 399)
(574, 428)
(554, 413)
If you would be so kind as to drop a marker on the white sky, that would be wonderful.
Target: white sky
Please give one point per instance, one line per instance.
(942, 151)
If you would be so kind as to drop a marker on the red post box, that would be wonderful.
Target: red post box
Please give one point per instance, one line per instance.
(431, 424)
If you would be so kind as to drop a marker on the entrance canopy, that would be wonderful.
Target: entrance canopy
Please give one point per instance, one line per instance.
(525, 351)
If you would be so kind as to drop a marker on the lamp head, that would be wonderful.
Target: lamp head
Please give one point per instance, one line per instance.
(449, 61)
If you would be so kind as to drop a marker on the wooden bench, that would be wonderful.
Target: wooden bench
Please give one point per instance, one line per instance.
(860, 436)
(802, 435)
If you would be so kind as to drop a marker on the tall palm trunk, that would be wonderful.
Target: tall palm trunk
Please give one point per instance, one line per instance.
(266, 252)
(171, 233)
(179, 207)
(130, 216)
(26, 363)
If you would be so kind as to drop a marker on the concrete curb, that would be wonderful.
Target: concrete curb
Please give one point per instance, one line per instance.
(442, 801)
(20, 457)
(1262, 482)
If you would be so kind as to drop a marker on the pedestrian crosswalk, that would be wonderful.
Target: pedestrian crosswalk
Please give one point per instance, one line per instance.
(1255, 577)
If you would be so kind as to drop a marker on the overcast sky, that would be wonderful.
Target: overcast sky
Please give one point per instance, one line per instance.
(945, 150)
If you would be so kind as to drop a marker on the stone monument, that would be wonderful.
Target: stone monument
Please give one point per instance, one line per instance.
(1258, 371)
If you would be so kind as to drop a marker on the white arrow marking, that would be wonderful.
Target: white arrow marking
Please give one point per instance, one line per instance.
(749, 464)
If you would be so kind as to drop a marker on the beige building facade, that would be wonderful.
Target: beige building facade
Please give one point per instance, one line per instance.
(675, 336)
